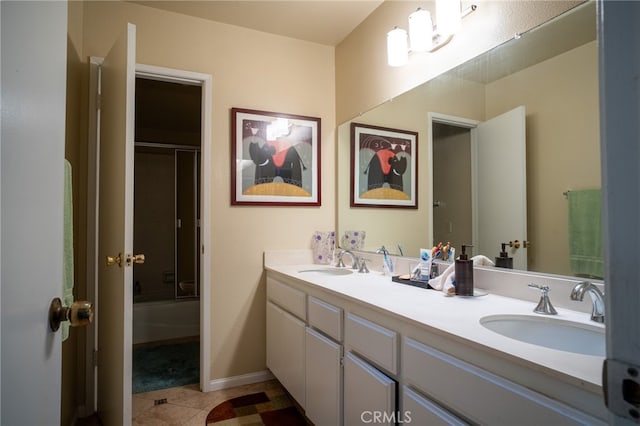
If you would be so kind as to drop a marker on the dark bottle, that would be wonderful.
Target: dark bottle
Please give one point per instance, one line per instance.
(504, 261)
(464, 274)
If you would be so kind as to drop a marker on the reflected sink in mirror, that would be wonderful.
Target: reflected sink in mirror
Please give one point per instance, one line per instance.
(551, 333)
(328, 271)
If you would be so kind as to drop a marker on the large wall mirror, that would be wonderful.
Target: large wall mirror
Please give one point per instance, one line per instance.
(552, 72)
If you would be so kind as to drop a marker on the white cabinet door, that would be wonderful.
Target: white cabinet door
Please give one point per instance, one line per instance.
(286, 350)
(369, 395)
(418, 410)
(323, 380)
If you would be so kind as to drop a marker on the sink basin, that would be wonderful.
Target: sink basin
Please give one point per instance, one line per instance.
(552, 333)
(329, 271)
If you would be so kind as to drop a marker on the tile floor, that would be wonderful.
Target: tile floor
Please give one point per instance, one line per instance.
(186, 405)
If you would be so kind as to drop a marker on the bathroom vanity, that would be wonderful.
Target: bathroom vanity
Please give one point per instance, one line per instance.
(355, 348)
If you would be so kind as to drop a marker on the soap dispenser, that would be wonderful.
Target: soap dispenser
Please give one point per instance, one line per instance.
(504, 261)
(464, 273)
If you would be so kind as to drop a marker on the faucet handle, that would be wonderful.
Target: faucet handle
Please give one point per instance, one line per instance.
(544, 306)
(363, 266)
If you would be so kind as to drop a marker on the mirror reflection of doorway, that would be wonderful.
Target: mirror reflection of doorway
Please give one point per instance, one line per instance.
(479, 175)
(167, 193)
(452, 205)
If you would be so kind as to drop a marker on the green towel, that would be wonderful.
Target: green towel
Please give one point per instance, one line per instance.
(67, 268)
(585, 232)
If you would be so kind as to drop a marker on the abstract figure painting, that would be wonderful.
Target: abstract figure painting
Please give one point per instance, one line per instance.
(275, 158)
(383, 167)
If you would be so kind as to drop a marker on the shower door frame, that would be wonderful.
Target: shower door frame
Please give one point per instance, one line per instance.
(197, 188)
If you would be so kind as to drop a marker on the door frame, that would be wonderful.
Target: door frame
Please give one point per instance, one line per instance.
(466, 123)
(205, 81)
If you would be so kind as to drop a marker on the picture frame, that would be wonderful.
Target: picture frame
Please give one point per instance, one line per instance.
(384, 170)
(275, 159)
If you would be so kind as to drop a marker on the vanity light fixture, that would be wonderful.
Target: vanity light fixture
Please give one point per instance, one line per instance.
(423, 36)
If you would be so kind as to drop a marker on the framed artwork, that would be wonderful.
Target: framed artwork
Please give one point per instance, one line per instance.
(383, 167)
(275, 158)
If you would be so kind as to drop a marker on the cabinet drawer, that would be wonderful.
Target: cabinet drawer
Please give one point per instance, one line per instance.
(372, 341)
(326, 318)
(479, 395)
(287, 297)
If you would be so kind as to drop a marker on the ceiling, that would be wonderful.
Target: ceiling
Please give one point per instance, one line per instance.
(325, 22)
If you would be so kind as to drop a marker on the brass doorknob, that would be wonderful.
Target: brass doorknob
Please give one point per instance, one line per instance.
(114, 260)
(135, 258)
(515, 244)
(78, 314)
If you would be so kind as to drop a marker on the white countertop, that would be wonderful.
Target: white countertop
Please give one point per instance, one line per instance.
(457, 316)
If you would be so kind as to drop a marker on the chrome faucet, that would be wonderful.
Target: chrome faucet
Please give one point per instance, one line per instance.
(597, 299)
(354, 259)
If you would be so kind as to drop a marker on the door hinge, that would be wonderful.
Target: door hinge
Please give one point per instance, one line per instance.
(621, 386)
(99, 102)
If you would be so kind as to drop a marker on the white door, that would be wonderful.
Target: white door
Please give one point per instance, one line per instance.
(34, 46)
(500, 195)
(115, 294)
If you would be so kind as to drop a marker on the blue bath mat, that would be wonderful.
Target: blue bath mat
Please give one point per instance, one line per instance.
(165, 366)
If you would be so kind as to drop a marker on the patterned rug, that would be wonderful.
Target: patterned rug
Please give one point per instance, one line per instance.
(256, 409)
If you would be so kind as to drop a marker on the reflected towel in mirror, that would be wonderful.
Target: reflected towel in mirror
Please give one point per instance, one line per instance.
(585, 232)
(353, 240)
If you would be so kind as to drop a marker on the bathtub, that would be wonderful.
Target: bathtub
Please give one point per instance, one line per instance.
(164, 320)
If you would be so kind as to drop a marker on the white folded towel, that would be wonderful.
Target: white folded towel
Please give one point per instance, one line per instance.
(445, 280)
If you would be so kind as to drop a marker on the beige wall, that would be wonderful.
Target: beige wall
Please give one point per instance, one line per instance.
(563, 144)
(254, 70)
(363, 79)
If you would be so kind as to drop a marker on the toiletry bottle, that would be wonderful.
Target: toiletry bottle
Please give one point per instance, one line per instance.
(464, 274)
(504, 261)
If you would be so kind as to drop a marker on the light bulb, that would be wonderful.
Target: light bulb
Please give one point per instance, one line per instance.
(420, 30)
(397, 47)
(448, 17)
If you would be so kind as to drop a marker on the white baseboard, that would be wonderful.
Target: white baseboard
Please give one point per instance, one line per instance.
(244, 379)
